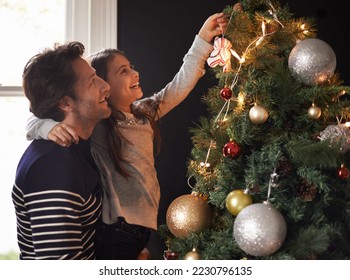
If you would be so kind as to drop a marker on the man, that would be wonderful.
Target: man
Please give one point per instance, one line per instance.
(56, 190)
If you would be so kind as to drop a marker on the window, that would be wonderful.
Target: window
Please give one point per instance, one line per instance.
(12, 143)
(22, 26)
(29, 26)
(26, 28)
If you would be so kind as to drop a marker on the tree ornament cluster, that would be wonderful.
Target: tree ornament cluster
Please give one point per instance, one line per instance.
(274, 69)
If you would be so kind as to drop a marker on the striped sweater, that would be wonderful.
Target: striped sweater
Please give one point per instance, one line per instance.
(57, 201)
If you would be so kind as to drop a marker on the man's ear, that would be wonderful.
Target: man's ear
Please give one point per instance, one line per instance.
(66, 103)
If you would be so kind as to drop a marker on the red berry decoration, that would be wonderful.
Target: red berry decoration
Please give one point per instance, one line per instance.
(226, 93)
(343, 172)
(231, 150)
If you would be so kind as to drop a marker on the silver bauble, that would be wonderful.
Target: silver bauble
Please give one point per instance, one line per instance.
(259, 229)
(312, 61)
(337, 134)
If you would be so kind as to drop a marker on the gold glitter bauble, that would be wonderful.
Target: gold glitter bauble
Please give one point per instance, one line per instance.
(188, 214)
(237, 200)
(193, 255)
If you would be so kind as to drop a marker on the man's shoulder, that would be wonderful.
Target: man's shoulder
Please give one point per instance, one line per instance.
(46, 164)
(45, 149)
(46, 157)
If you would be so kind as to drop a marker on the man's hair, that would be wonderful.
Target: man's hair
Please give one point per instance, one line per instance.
(48, 76)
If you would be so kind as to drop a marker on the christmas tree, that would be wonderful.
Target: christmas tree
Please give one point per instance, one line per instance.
(268, 170)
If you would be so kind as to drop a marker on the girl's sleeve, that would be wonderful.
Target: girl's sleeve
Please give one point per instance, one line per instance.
(39, 128)
(192, 69)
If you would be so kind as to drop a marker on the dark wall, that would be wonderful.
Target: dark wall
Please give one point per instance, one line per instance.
(156, 34)
(332, 24)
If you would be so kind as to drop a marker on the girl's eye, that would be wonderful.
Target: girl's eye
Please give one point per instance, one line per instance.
(126, 70)
(132, 66)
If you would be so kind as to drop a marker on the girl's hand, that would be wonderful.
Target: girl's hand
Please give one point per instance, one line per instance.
(214, 26)
(63, 135)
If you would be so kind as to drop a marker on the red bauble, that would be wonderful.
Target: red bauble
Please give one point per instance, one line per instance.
(170, 255)
(343, 172)
(226, 93)
(231, 149)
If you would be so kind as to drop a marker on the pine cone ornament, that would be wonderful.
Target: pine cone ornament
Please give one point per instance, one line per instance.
(307, 191)
(284, 167)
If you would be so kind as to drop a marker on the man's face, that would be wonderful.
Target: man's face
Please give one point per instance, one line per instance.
(90, 92)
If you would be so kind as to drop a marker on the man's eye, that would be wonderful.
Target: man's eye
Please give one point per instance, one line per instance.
(92, 81)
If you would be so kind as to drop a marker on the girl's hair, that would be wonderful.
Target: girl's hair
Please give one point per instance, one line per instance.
(147, 111)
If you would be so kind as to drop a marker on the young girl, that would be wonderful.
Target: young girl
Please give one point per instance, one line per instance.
(123, 145)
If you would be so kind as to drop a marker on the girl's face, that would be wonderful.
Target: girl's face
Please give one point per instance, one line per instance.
(124, 83)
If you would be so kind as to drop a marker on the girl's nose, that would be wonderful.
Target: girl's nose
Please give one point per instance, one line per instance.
(136, 73)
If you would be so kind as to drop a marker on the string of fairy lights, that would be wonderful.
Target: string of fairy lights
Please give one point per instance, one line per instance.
(221, 56)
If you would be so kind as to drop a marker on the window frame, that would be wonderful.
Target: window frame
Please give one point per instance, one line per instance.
(10, 91)
(92, 22)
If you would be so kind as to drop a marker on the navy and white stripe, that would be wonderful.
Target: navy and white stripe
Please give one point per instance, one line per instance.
(56, 222)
